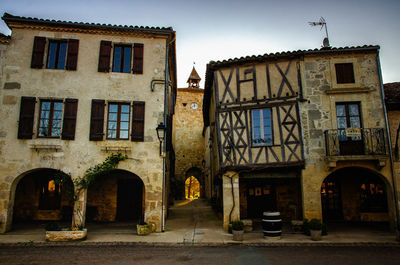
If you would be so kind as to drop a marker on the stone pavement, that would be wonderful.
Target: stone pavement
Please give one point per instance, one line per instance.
(193, 223)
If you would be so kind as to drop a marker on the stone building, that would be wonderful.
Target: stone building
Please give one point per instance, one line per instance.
(302, 133)
(188, 137)
(392, 100)
(72, 94)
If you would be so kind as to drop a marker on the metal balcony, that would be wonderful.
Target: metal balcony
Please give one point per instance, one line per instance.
(355, 142)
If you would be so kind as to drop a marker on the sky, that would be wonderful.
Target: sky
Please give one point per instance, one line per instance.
(214, 30)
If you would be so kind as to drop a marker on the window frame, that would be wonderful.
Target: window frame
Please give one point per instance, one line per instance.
(51, 119)
(122, 62)
(262, 126)
(118, 129)
(58, 42)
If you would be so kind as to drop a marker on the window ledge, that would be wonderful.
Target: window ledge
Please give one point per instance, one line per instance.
(348, 90)
(46, 147)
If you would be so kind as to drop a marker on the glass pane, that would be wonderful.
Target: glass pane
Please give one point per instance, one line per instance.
(127, 60)
(125, 108)
(353, 109)
(124, 117)
(112, 134)
(267, 113)
(61, 55)
(44, 123)
(55, 132)
(43, 132)
(112, 116)
(51, 61)
(56, 124)
(341, 122)
(45, 114)
(113, 108)
(124, 126)
(123, 134)
(355, 122)
(57, 115)
(340, 110)
(58, 105)
(112, 125)
(46, 105)
(117, 59)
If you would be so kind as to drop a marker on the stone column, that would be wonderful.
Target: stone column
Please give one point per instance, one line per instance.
(230, 193)
(79, 214)
(311, 187)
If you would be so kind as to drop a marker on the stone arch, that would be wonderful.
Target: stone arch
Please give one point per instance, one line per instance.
(118, 196)
(29, 189)
(198, 174)
(356, 194)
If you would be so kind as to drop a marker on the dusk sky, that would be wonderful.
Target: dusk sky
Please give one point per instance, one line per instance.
(222, 29)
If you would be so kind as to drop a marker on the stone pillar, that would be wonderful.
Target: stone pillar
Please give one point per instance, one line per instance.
(311, 187)
(230, 200)
(79, 214)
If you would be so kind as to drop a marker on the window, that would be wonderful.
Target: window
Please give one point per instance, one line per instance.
(118, 121)
(50, 194)
(348, 116)
(50, 118)
(122, 59)
(127, 58)
(262, 127)
(373, 196)
(57, 54)
(344, 73)
(61, 54)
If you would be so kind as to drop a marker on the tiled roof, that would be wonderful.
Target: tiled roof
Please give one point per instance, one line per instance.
(4, 39)
(392, 95)
(8, 18)
(194, 75)
(278, 55)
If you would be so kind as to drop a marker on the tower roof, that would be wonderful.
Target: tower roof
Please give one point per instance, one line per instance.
(194, 76)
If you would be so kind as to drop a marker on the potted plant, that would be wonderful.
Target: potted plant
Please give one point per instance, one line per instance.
(315, 226)
(237, 230)
(142, 228)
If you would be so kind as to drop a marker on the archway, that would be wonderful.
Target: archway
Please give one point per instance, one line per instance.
(40, 198)
(118, 196)
(355, 194)
(192, 188)
(194, 183)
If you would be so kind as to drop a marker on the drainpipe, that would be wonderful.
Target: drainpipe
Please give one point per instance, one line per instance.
(165, 133)
(396, 203)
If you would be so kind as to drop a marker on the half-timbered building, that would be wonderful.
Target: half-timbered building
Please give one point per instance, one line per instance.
(71, 95)
(287, 131)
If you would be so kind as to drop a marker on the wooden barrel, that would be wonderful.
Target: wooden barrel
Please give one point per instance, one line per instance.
(272, 224)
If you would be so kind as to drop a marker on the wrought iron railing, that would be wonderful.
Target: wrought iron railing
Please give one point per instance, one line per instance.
(355, 141)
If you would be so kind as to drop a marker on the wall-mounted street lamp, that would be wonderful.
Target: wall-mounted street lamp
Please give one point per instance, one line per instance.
(160, 135)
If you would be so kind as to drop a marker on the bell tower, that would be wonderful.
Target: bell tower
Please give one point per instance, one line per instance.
(194, 79)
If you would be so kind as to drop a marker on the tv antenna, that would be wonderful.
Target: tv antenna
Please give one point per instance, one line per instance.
(322, 23)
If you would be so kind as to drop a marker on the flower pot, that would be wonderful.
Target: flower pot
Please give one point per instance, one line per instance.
(65, 236)
(143, 230)
(315, 235)
(238, 235)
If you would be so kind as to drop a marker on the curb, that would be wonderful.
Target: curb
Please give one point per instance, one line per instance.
(196, 245)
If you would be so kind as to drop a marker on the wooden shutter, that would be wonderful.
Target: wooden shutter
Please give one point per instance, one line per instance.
(72, 57)
(104, 57)
(69, 122)
(137, 58)
(344, 73)
(39, 44)
(97, 120)
(137, 134)
(26, 116)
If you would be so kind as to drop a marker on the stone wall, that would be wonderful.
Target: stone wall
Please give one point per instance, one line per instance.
(17, 157)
